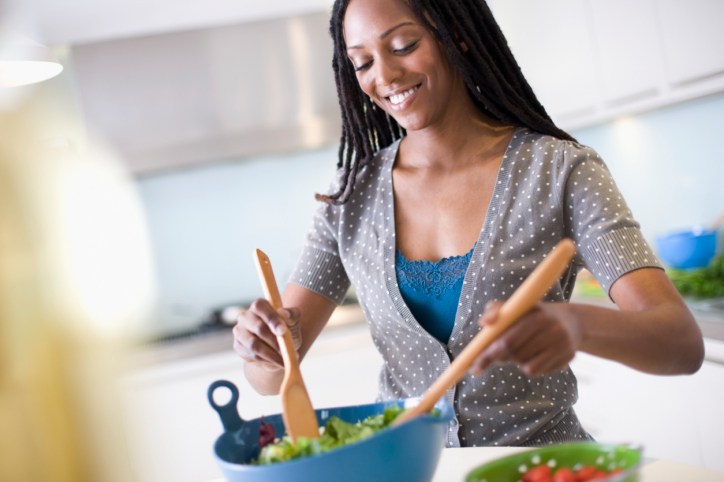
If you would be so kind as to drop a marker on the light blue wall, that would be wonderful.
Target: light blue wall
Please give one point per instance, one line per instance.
(668, 163)
(205, 222)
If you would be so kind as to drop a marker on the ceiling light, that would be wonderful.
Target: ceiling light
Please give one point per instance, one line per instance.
(24, 61)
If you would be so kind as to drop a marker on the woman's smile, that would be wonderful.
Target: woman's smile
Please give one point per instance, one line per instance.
(401, 100)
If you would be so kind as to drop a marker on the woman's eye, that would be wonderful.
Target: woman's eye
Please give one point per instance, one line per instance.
(361, 67)
(407, 48)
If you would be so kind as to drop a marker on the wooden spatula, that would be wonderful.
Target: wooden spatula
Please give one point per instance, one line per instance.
(521, 301)
(297, 411)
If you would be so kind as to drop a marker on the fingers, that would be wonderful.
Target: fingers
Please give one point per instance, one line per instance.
(269, 360)
(545, 363)
(292, 317)
(490, 315)
(538, 343)
(256, 331)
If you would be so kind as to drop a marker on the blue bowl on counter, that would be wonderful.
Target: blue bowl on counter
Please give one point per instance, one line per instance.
(409, 451)
(687, 249)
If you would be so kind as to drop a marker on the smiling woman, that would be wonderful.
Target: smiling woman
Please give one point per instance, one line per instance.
(446, 152)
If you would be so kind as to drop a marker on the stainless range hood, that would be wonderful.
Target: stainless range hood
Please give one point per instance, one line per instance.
(228, 92)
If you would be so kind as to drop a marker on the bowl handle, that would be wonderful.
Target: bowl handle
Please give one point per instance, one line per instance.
(228, 413)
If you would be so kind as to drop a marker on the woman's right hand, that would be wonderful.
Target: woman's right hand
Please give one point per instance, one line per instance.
(256, 330)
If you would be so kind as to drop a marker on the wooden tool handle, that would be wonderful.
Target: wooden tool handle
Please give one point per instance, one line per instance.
(523, 300)
(297, 410)
(271, 292)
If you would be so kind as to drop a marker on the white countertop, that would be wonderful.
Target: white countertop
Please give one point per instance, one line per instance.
(455, 464)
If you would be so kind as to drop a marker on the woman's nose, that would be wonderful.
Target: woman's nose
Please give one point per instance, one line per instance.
(387, 71)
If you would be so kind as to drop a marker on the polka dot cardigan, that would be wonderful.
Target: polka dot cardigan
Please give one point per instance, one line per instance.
(546, 189)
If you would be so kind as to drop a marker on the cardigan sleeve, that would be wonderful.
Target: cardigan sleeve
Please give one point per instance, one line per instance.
(609, 240)
(319, 267)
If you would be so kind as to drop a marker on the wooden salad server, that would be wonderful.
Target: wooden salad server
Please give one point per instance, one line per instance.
(520, 302)
(297, 411)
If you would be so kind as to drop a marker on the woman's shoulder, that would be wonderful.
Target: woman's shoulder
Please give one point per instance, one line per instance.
(550, 154)
(552, 143)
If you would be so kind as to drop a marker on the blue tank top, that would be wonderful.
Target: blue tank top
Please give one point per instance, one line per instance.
(432, 290)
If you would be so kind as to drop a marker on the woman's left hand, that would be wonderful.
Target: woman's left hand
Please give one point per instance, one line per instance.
(543, 341)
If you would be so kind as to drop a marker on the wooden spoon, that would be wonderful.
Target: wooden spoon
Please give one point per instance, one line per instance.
(297, 411)
(521, 301)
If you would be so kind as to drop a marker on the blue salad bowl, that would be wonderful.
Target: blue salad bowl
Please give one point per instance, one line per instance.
(687, 249)
(409, 451)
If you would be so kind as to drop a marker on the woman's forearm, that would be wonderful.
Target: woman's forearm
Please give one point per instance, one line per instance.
(652, 331)
(662, 340)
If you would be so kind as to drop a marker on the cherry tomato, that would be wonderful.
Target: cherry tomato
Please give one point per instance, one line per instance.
(539, 473)
(589, 472)
(564, 474)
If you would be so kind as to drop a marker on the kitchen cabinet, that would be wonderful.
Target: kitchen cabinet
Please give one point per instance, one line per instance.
(617, 404)
(591, 61)
(553, 46)
(708, 402)
(692, 39)
(626, 47)
(676, 418)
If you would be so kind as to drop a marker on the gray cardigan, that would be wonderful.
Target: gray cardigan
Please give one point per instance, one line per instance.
(546, 189)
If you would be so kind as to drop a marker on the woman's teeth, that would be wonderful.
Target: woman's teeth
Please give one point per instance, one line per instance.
(399, 98)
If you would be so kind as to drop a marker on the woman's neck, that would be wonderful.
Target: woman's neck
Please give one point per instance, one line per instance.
(453, 144)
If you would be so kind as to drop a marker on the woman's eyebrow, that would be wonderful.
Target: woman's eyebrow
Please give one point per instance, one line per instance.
(385, 33)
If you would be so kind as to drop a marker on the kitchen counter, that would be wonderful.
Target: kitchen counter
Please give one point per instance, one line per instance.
(709, 317)
(709, 314)
(221, 339)
(455, 464)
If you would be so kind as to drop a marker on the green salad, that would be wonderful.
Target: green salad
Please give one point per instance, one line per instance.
(335, 433)
(700, 283)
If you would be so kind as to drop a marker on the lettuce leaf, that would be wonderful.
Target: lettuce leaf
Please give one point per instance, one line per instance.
(335, 433)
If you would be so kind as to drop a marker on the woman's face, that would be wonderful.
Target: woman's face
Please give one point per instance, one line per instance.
(399, 63)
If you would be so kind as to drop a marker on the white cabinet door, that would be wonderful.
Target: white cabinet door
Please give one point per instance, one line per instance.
(618, 404)
(708, 410)
(589, 61)
(552, 43)
(628, 49)
(676, 418)
(692, 36)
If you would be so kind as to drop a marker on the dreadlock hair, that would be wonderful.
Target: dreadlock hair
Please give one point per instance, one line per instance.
(485, 63)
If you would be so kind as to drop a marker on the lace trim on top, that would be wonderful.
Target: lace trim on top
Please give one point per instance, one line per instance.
(432, 278)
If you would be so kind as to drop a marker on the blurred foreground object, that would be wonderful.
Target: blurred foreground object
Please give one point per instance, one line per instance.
(75, 280)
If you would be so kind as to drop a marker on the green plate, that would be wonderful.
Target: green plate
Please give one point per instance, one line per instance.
(572, 455)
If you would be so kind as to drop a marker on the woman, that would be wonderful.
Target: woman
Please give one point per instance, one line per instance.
(453, 184)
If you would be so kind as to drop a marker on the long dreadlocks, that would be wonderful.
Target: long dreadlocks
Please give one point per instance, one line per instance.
(486, 64)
